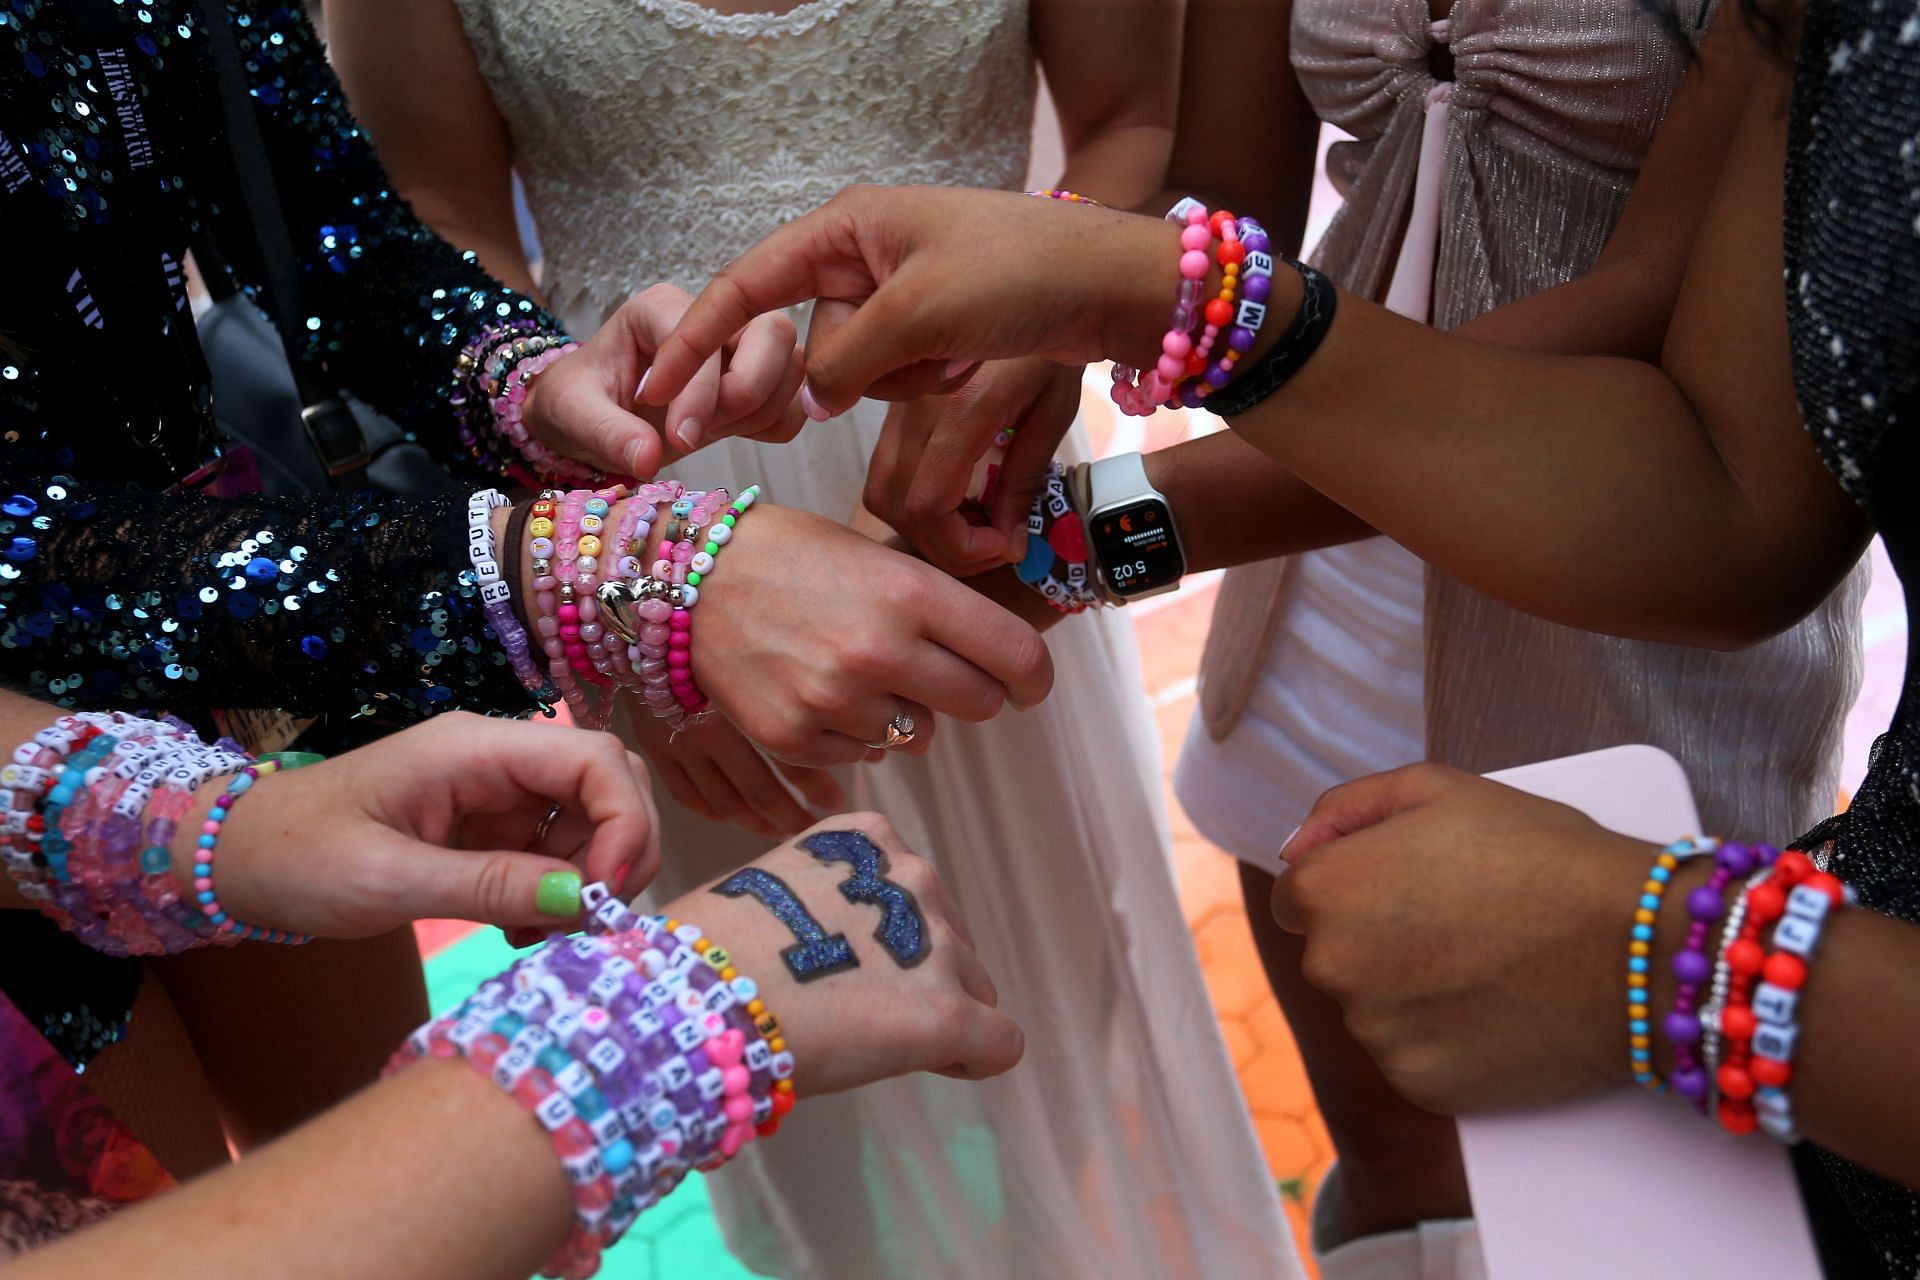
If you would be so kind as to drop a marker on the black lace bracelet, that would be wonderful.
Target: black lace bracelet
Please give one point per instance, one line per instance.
(1271, 371)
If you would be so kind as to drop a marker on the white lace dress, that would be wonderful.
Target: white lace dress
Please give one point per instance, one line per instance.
(656, 140)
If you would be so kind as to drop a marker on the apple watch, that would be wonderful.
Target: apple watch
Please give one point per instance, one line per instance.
(1131, 537)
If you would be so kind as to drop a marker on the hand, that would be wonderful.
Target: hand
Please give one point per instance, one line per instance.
(915, 283)
(1475, 935)
(586, 405)
(875, 1020)
(714, 771)
(430, 823)
(928, 450)
(810, 638)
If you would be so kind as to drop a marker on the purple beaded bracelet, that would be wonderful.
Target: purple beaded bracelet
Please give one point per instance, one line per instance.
(1693, 969)
(496, 596)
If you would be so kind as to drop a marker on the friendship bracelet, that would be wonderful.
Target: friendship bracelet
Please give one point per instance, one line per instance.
(496, 596)
(1745, 958)
(1070, 197)
(209, 840)
(1710, 1034)
(1055, 563)
(1795, 940)
(1640, 950)
(1706, 905)
(1156, 384)
(543, 548)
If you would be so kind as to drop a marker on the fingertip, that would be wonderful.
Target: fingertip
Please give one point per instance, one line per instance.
(811, 406)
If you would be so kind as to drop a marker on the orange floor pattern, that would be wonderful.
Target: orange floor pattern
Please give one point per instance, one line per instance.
(1275, 1085)
(1262, 1048)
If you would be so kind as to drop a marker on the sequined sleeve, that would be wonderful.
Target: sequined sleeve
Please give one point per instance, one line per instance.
(391, 309)
(352, 606)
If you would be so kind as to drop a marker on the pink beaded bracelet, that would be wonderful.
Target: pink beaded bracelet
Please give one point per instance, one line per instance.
(1156, 384)
(509, 409)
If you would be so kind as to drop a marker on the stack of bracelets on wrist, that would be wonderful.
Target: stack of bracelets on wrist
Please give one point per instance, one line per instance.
(1733, 1051)
(93, 803)
(610, 617)
(639, 1048)
(1055, 563)
(506, 359)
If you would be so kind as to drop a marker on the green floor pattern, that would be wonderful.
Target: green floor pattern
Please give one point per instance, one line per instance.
(677, 1239)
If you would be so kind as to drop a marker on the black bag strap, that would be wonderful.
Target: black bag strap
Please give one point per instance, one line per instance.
(331, 426)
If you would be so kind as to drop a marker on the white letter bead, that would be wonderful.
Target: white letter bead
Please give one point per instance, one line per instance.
(606, 1056)
(574, 1079)
(1796, 934)
(1251, 315)
(720, 535)
(1257, 263)
(759, 1056)
(607, 1127)
(1770, 1041)
(593, 895)
(583, 1168)
(688, 1036)
(1807, 903)
(711, 1083)
(782, 1065)
(554, 1110)
(1774, 1004)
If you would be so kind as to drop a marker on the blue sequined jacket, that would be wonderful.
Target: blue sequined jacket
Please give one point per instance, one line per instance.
(116, 591)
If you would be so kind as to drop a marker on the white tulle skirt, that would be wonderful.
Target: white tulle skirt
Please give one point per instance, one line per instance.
(1120, 1147)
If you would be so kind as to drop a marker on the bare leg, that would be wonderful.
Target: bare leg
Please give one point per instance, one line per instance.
(153, 1084)
(1399, 1165)
(286, 1032)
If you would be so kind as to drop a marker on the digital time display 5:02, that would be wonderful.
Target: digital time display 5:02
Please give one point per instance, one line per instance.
(1138, 550)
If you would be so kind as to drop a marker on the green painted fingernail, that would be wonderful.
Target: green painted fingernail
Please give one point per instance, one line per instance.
(559, 894)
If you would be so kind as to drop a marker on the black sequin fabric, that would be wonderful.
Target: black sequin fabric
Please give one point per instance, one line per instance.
(1853, 298)
(114, 592)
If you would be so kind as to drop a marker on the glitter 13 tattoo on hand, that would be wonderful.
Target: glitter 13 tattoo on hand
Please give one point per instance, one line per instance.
(902, 931)
(817, 953)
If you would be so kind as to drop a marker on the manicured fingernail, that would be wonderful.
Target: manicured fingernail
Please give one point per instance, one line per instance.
(1288, 841)
(641, 390)
(559, 894)
(620, 877)
(813, 407)
(957, 367)
(690, 435)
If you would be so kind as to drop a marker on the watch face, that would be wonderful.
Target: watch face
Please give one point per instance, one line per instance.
(1138, 550)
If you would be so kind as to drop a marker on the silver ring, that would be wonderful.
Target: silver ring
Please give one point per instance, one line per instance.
(546, 825)
(900, 731)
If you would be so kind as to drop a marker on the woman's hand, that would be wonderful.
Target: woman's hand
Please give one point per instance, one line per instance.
(432, 822)
(1475, 935)
(928, 451)
(715, 771)
(586, 406)
(876, 1018)
(915, 283)
(811, 638)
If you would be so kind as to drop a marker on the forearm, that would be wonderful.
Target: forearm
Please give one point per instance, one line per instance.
(434, 1174)
(1111, 65)
(1119, 165)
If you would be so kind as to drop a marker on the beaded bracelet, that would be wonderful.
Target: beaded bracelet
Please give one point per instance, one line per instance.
(1706, 904)
(1716, 1002)
(1070, 197)
(209, 840)
(1142, 398)
(1055, 563)
(1640, 950)
(1745, 957)
(1795, 940)
(496, 595)
(543, 548)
